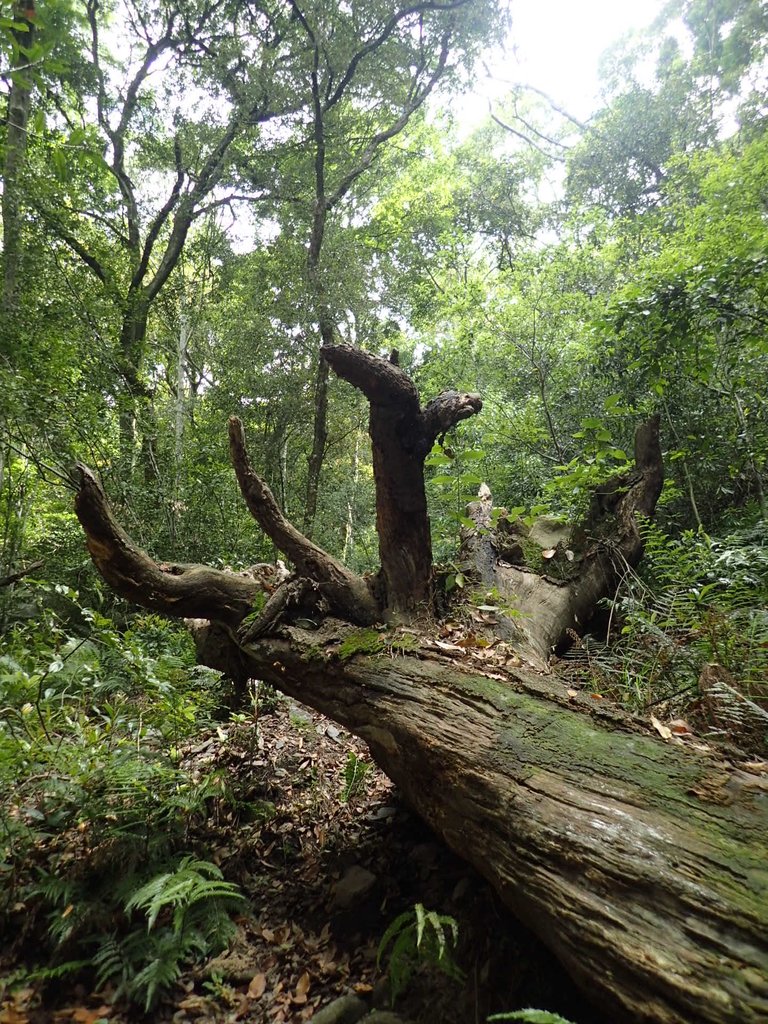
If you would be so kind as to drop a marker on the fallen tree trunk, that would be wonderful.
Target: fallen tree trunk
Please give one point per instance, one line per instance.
(641, 864)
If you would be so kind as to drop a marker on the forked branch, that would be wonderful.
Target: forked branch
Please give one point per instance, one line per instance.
(402, 435)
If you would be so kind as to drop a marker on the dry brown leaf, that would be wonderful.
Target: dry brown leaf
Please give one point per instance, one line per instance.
(257, 986)
(680, 727)
(471, 640)
(10, 1015)
(196, 1004)
(447, 647)
(85, 1016)
(302, 988)
(663, 730)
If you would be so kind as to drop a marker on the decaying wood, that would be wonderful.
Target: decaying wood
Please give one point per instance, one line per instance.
(591, 558)
(402, 435)
(347, 593)
(641, 864)
(186, 591)
(14, 577)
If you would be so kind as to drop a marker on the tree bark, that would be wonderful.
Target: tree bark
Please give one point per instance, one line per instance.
(582, 564)
(192, 591)
(19, 100)
(402, 435)
(641, 864)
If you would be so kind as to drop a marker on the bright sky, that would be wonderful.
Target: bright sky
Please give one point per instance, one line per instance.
(556, 46)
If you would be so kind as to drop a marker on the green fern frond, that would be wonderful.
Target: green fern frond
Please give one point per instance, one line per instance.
(193, 882)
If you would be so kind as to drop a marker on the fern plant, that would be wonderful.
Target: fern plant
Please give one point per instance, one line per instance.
(355, 772)
(89, 764)
(416, 937)
(696, 601)
(187, 913)
(183, 892)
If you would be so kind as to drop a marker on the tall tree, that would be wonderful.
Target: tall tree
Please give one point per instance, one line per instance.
(371, 68)
(22, 34)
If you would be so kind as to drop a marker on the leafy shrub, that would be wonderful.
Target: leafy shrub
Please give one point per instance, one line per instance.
(96, 812)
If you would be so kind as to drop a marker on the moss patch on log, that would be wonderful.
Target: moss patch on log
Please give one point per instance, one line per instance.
(363, 641)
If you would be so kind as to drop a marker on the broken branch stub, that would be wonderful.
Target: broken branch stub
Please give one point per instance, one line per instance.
(580, 565)
(402, 435)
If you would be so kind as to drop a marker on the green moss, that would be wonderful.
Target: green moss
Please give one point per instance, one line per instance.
(403, 643)
(315, 654)
(531, 554)
(362, 641)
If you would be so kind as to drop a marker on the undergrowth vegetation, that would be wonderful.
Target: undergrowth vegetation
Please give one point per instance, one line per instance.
(690, 629)
(97, 816)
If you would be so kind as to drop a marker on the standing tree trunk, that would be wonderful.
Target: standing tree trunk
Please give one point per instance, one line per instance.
(640, 863)
(15, 151)
(402, 435)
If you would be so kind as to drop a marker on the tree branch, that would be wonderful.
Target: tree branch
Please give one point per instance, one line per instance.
(14, 577)
(187, 591)
(347, 593)
(448, 409)
(394, 129)
(77, 247)
(379, 380)
(161, 218)
(381, 38)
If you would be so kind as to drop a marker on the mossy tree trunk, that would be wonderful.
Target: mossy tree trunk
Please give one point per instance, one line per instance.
(642, 864)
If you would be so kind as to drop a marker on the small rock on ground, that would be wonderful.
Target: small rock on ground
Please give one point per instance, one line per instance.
(356, 884)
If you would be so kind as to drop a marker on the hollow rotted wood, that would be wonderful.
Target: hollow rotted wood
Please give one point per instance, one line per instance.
(607, 544)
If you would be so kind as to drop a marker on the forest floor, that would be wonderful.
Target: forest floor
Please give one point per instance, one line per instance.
(328, 857)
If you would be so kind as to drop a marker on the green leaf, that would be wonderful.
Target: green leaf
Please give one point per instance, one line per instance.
(532, 1017)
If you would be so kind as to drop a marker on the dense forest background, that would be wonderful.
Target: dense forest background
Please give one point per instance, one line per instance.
(196, 196)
